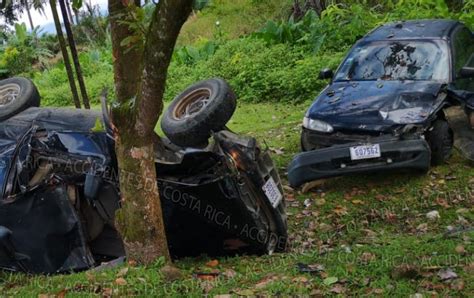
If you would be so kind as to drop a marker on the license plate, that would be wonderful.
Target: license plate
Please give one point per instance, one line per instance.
(272, 192)
(365, 152)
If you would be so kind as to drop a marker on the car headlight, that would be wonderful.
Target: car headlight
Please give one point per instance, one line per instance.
(317, 125)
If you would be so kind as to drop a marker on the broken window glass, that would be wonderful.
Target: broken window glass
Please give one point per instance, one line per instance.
(396, 60)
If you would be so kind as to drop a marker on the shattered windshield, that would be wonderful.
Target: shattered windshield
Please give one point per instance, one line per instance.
(396, 60)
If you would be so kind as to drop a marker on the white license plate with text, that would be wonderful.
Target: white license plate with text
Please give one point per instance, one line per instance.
(365, 152)
(272, 192)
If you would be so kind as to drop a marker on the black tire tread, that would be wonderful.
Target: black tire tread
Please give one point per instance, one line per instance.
(29, 97)
(440, 139)
(197, 132)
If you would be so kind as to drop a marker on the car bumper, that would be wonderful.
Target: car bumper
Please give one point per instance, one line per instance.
(335, 161)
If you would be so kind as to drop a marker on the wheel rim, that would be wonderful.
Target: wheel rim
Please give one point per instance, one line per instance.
(9, 93)
(192, 104)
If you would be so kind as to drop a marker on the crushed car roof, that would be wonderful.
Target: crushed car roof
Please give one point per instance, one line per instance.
(417, 29)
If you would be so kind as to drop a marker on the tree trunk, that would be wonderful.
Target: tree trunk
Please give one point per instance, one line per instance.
(62, 45)
(75, 58)
(69, 12)
(139, 92)
(27, 7)
(167, 20)
(76, 14)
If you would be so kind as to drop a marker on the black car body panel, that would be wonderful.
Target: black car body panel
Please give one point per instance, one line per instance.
(60, 191)
(376, 106)
(391, 87)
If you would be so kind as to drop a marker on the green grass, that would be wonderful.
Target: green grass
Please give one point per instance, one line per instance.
(236, 18)
(360, 229)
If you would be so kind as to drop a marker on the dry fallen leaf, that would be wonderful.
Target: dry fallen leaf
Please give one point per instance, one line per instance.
(433, 215)
(338, 289)
(61, 294)
(340, 210)
(107, 292)
(229, 273)
(367, 257)
(270, 278)
(423, 228)
(121, 281)
(122, 272)
(442, 202)
(320, 202)
(206, 275)
(212, 263)
(460, 250)
(447, 274)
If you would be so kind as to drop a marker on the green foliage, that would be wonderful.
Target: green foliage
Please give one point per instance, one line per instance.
(280, 62)
(257, 72)
(92, 30)
(342, 24)
(23, 51)
(98, 74)
(307, 31)
(13, 61)
(190, 55)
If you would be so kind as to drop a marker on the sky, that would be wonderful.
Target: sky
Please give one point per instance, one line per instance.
(46, 21)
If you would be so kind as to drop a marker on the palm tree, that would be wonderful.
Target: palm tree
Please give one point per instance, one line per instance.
(27, 8)
(67, 62)
(75, 58)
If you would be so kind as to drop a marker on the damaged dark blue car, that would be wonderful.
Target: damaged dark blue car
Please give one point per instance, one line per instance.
(59, 190)
(384, 107)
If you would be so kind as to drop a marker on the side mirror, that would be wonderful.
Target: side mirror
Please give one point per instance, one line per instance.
(326, 74)
(466, 72)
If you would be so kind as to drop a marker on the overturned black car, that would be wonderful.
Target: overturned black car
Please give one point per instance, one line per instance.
(59, 185)
(384, 107)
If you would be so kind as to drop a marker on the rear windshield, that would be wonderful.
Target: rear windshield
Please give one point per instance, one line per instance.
(396, 60)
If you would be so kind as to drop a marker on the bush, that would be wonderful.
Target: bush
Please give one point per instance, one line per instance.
(342, 24)
(15, 61)
(97, 69)
(257, 72)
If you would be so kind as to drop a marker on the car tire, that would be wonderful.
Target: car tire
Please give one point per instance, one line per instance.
(201, 109)
(470, 117)
(16, 95)
(440, 138)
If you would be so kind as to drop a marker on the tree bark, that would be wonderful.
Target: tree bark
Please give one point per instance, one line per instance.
(167, 20)
(27, 7)
(140, 77)
(62, 45)
(75, 58)
(69, 12)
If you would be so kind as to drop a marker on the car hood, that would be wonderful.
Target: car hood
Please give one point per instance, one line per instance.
(377, 105)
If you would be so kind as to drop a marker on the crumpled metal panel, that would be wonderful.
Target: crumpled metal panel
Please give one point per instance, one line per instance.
(47, 229)
(376, 105)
